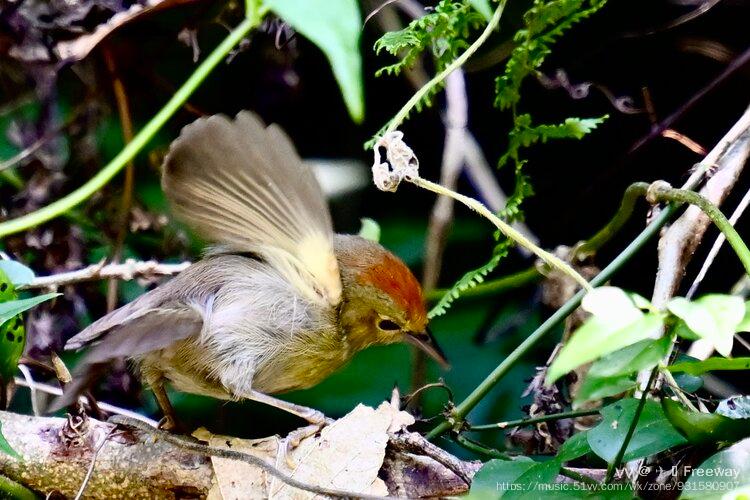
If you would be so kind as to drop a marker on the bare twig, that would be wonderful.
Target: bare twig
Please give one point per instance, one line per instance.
(147, 463)
(684, 140)
(412, 442)
(679, 242)
(666, 123)
(453, 158)
(717, 245)
(128, 270)
(32, 385)
(677, 245)
(90, 470)
(701, 348)
(534, 420)
(126, 124)
(701, 9)
(26, 153)
(56, 391)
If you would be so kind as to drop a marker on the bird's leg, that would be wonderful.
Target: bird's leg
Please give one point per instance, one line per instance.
(316, 418)
(169, 422)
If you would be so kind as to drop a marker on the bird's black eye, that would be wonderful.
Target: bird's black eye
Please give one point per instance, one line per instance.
(387, 324)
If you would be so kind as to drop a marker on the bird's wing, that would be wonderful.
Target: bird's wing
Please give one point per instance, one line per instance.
(242, 185)
(126, 335)
(145, 331)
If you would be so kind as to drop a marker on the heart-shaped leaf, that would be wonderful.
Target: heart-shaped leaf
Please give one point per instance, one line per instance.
(334, 26)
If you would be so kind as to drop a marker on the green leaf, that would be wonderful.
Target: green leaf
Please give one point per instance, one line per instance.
(10, 309)
(598, 337)
(744, 325)
(712, 317)
(610, 303)
(682, 330)
(488, 481)
(576, 446)
(370, 229)
(483, 7)
(544, 23)
(7, 290)
(688, 383)
(724, 473)
(615, 372)
(335, 27)
(528, 484)
(641, 302)
(653, 433)
(469, 280)
(17, 273)
(633, 358)
(594, 388)
(709, 365)
(702, 428)
(5, 447)
(524, 134)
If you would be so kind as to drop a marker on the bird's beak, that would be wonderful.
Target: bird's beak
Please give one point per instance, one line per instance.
(426, 342)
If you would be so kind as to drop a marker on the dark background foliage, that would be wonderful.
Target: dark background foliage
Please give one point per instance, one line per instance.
(630, 47)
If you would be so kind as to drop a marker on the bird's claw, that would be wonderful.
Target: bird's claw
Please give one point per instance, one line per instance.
(295, 438)
(316, 418)
(169, 424)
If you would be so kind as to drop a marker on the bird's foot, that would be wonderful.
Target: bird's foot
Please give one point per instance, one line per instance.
(315, 418)
(295, 438)
(317, 422)
(170, 424)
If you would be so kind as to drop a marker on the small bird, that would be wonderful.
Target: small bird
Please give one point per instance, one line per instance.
(278, 303)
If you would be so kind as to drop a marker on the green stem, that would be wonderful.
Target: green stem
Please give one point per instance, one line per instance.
(437, 79)
(662, 192)
(505, 366)
(631, 196)
(479, 448)
(64, 204)
(612, 468)
(531, 421)
(15, 490)
(493, 287)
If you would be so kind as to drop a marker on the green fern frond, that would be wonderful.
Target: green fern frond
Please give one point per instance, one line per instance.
(544, 23)
(522, 190)
(524, 134)
(443, 32)
(470, 280)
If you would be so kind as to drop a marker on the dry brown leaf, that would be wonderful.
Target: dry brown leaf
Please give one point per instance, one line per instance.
(345, 455)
